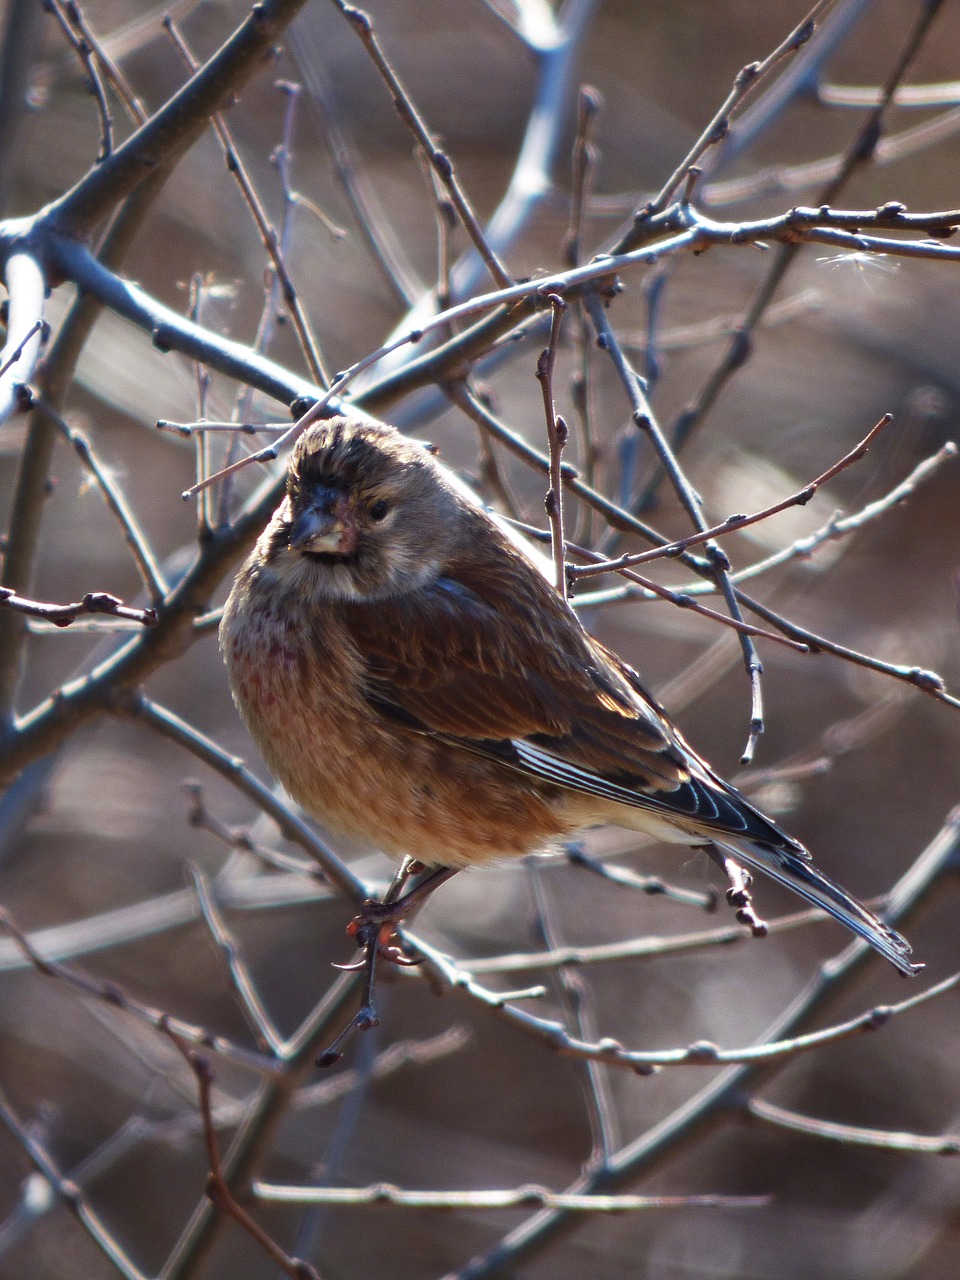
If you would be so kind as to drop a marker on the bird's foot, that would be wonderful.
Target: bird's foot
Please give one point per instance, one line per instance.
(375, 928)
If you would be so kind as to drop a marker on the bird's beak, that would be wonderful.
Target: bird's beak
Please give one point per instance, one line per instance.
(325, 527)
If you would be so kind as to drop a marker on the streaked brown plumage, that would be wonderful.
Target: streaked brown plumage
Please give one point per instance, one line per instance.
(411, 676)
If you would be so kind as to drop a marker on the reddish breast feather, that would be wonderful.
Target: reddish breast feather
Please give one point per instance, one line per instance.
(264, 663)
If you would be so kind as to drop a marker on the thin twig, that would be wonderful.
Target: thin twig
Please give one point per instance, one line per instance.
(927, 681)
(62, 615)
(682, 600)
(316, 410)
(575, 995)
(68, 1191)
(201, 444)
(645, 421)
(253, 1007)
(237, 428)
(439, 160)
(891, 149)
(859, 152)
(121, 85)
(492, 473)
(702, 1053)
(268, 233)
(584, 160)
(653, 886)
(744, 84)
(81, 47)
(528, 1196)
(172, 130)
(838, 526)
(270, 312)
(849, 1134)
(557, 438)
(583, 166)
(218, 1187)
(10, 358)
(240, 840)
(445, 216)
(617, 517)
(281, 158)
(230, 767)
(736, 522)
(145, 560)
(651, 946)
(115, 997)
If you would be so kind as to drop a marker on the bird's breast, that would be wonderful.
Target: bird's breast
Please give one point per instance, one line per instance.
(299, 684)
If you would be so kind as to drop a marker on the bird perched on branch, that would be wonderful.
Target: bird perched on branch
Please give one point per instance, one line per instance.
(412, 677)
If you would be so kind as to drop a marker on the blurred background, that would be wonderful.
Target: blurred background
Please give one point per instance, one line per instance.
(862, 768)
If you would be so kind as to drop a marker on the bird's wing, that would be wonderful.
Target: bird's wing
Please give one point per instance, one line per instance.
(506, 671)
(503, 668)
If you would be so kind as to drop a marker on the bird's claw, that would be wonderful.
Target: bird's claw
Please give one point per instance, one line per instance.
(376, 929)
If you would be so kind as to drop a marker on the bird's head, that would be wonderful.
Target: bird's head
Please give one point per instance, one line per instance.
(367, 513)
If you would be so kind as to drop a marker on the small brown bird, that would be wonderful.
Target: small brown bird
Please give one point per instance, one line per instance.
(412, 677)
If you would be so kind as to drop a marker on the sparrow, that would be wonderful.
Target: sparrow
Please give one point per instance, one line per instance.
(411, 677)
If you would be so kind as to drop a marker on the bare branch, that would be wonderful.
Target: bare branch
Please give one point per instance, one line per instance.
(254, 1008)
(268, 233)
(702, 1053)
(926, 681)
(653, 886)
(838, 526)
(859, 152)
(589, 103)
(639, 948)
(62, 615)
(218, 1188)
(557, 438)
(736, 522)
(439, 160)
(88, 59)
(229, 767)
(646, 422)
(69, 1193)
(745, 83)
(168, 134)
(723, 1094)
(385, 1193)
(849, 1134)
(145, 560)
(115, 997)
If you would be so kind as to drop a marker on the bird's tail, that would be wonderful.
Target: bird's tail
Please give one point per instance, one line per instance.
(799, 874)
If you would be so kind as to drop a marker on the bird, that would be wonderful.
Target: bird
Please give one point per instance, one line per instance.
(411, 676)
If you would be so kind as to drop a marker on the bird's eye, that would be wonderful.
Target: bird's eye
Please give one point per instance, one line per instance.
(379, 510)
